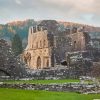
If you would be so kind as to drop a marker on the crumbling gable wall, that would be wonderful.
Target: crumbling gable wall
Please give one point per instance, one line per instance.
(40, 45)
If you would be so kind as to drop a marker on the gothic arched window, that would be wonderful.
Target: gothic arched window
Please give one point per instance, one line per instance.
(44, 43)
(40, 44)
(47, 64)
(38, 62)
(36, 45)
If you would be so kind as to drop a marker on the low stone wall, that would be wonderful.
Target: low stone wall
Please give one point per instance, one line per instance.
(53, 73)
(68, 87)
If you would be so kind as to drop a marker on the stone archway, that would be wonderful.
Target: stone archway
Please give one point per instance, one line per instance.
(27, 58)
(4, 73)
(38, 62)
(47, 64)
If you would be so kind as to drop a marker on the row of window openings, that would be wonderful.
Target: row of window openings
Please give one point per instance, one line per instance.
(40, 44)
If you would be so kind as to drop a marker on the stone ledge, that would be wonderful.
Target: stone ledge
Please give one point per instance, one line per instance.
(67, 87)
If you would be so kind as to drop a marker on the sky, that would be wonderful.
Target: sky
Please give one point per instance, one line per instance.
(80, 11)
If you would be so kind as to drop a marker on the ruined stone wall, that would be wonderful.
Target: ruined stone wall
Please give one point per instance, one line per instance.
(61, 46)
(40, 48)
(48, 49)
(63, 43)
(9, 64)
(78, 41)
(68, 87)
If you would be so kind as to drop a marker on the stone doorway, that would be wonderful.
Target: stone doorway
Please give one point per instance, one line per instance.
(38, 62)
(47, 64)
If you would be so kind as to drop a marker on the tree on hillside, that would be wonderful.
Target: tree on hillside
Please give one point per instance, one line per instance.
(17, 45)
(51, 25)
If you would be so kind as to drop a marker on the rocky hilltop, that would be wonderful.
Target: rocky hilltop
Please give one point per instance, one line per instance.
(87, 27)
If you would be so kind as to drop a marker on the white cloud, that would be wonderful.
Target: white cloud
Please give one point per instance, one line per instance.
(85, 11)
(18, 2)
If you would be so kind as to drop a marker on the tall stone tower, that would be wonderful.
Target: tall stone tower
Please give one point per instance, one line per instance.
(38, 53)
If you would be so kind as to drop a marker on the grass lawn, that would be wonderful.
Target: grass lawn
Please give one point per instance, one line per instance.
(14, 94)
(43, 81)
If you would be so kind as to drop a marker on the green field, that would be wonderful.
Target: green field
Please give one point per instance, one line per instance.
(43, 81)
(15, 94)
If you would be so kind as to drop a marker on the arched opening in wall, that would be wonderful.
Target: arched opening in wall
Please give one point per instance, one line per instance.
(27, 58)
(74, 45)
(4, 74)
(38, 62)
(40, 44)
(36, 45)
(47, 63)
(64, 63)
(44, 43)
(32, 46)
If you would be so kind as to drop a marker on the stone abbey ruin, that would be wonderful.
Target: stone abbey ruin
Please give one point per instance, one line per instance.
(46, 50)
(52, 53)
(75, 64)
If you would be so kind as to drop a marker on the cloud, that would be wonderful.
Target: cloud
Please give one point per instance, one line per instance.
(82, 11)
(18, 2)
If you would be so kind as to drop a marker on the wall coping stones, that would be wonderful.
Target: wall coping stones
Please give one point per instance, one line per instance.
(67, 87)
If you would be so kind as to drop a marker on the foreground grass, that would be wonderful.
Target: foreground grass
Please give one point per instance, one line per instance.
(14, 94)
(42, 81)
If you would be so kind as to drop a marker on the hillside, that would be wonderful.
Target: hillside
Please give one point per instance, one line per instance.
(8, 30)
(87, 27)
(19, 27)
